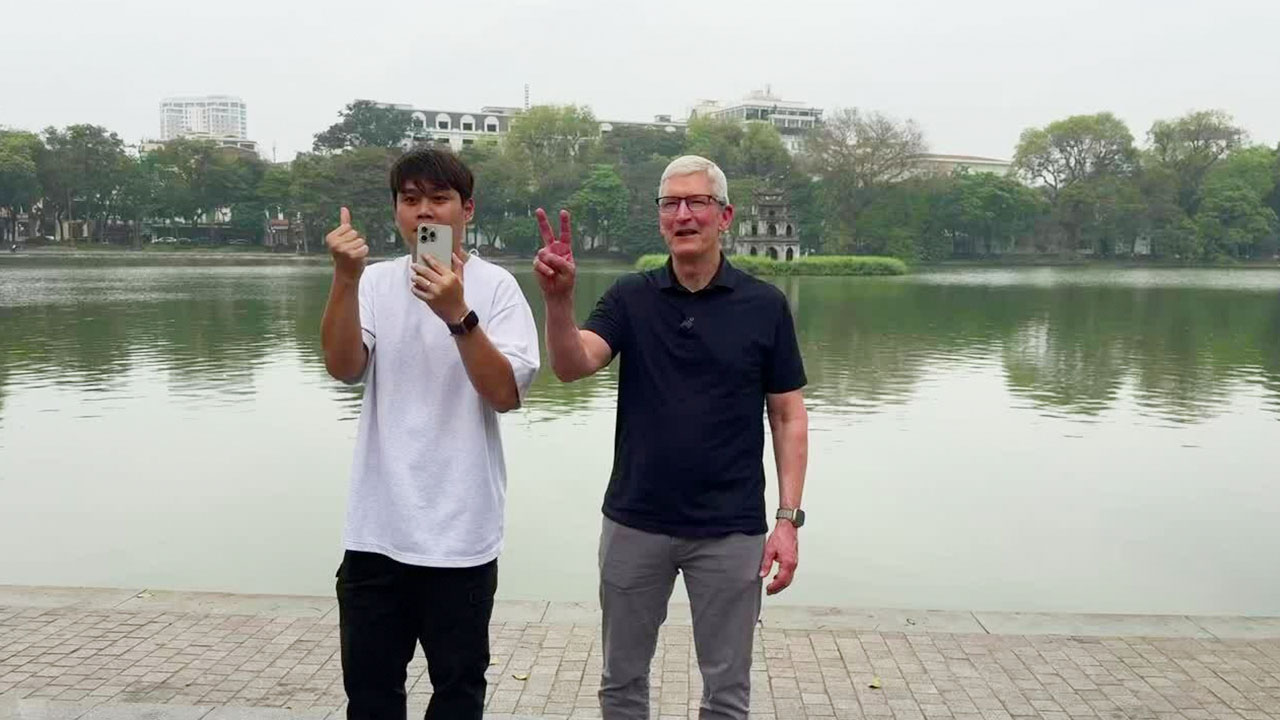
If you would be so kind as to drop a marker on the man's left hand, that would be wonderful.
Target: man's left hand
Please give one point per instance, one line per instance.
(782, 547)
(441, 287)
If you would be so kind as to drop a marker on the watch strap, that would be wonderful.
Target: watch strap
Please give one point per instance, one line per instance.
(465, 325)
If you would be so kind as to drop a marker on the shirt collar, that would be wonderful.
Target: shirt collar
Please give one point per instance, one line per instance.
(726, 277)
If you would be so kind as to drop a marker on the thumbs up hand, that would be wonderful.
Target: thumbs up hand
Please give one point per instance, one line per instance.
(347, 247)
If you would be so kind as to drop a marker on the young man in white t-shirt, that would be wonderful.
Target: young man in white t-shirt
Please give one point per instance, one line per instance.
(441, 350)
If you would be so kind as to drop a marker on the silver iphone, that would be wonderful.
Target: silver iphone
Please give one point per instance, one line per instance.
(435, 241)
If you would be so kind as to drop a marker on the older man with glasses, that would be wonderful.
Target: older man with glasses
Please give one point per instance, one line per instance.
(705, 349)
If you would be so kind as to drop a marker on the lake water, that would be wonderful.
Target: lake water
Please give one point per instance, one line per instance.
(1005, 439)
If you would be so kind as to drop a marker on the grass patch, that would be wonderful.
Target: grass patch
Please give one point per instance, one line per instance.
(812, 265)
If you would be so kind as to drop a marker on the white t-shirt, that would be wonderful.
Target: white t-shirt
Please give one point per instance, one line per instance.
(428, 483)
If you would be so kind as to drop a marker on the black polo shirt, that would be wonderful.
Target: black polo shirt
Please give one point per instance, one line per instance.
(695, 368)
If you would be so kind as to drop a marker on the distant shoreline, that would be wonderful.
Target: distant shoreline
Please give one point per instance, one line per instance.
(226, 253)
(1084, 262)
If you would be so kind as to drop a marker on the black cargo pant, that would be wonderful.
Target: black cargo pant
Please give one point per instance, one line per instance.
(386, 608)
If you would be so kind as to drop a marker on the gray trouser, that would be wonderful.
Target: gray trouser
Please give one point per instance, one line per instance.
(637, 573)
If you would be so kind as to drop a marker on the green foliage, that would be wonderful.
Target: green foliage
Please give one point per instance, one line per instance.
(1075, 149)
(19, 178)
(197, 178)
(1195, 192)
(503, 188)
(982, 214)
(1189, 147)
(894, 224)
(716, 140)
(632, 145)
(520, 234)
(859, 157)
(356, 179)
(1234, 218)
(549, 136)
(79, 169)
(762, 153)
(365, 124)
(600, 205)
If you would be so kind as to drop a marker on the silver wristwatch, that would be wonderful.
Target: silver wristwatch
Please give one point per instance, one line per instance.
(793, 515)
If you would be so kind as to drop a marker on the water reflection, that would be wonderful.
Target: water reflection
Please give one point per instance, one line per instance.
(161, 423)
(1067, 342)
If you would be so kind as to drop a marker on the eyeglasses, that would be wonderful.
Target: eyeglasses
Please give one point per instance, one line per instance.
(670, 204)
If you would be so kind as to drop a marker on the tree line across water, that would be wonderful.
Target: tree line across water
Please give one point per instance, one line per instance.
(1195, 189)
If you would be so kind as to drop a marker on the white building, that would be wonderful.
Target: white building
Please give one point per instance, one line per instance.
(940, 164)
(459, 129)
(454, 128)
(242, 144)
(210, 116)
(660, 122)
(792, 119)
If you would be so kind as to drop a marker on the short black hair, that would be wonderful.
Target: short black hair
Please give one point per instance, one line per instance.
(428, 166)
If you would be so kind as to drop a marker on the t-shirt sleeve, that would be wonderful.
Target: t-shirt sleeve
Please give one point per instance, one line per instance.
(609, 319)
(785, 371)
(513, 332)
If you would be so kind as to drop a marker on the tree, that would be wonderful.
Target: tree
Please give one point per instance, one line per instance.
(550, 145)
(362, 185)
(80, 168)
(634, 144)
(1272, 247)
(175, 165)
(1165, 224)
(982, 213)
(1082, 162)
(1233, 221)
(806, 198)
(274, 190)
(719, 141)
(894, 223)
(1190, 146)
(19, 182)
(1075, 149)
(241, 176)
(600, 205)
(520, 233)
(1234, 218)
(548, 136)
(639, 234)
(762, 152)
(503, 186)
(1108, 215)
(139, 195)
(365, 124)
(857, 156)
(313, 193)
(200, 179)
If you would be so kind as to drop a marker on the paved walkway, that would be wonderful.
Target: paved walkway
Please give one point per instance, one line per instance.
(106, 654)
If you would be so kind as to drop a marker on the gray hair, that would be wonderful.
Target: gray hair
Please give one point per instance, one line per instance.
(690, 164)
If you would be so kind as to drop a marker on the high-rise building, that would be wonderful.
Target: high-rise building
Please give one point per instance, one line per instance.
(211, 116)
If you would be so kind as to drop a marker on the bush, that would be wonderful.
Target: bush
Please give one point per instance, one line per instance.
(813, 265)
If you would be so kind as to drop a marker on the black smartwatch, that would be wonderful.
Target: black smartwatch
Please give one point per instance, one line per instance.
(465, 325)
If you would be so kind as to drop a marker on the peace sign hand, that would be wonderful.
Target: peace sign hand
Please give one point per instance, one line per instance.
(554, 265)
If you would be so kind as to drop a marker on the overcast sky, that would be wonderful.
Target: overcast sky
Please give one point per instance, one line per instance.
(973, 74)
